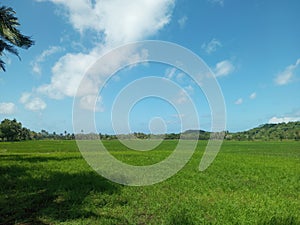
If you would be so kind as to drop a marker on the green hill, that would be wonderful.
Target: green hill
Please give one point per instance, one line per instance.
(281, 131)
(265, 132)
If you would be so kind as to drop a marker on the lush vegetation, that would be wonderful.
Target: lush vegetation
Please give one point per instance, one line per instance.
(282, 131)
(48, 182)
(12, 130)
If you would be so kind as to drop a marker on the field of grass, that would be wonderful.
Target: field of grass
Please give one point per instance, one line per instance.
(48, 182)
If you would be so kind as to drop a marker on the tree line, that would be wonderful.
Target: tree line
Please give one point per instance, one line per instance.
(12, 130)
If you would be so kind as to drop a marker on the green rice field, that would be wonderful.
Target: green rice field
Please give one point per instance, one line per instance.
(48, 182)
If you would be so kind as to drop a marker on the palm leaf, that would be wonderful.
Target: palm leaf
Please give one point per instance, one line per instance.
(10, 36)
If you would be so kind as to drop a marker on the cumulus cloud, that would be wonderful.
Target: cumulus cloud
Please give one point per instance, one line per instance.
(24, 97)
(253, 95)
(67, 74)
(32, 103)
(120, 21)
(223, 68)
(75, 69)
(92, 103)
(114, 22)
(36, 65)
(35, 104)
(287, 75)
(182, 21)
(7, 108)
(284, 119)
(239, 101)
(211, 46)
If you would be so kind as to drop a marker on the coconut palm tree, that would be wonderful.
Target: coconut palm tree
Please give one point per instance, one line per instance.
(10, 36)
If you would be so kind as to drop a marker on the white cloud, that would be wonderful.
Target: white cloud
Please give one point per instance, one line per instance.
(287, 75)
(218, 2)
(70, 70)
(182, 97)
(32, 103)
(211, 46)
(284, 119)
(180, 77)
(7, 108)
(238, 101)
(182, 21)
(189, 89)
(25, 97)
(35, 104)
(223, 68)
(253, 95)
(120, 21)
(36, 67)
(67, 74)
(170, 72)
(173, 73)
(91, 103)
(114, 22)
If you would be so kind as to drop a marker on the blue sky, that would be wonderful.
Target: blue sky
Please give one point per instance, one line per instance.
(252, 47)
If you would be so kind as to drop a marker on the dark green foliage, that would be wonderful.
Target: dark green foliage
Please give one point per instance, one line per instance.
(281, 221)
(10, 36)
(196, 134)
(172, 136)
(281, 131)
(12, 130)
(266, 132)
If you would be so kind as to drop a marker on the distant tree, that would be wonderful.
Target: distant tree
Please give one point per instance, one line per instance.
(171, 136)
(140, 135)
(65, 134)
(11, 130)
(1, 135)
(25, 134)
(297, 136)
(44, 133)
(281, 136)
(10, 36)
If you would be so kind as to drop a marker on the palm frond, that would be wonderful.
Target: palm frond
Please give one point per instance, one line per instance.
(9, 48)
(10, 36)
(8, 30)
(2, 63)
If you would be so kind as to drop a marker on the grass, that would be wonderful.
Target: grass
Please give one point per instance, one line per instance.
(48, 182)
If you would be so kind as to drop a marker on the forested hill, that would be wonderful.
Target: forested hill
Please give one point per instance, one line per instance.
(281, 131)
